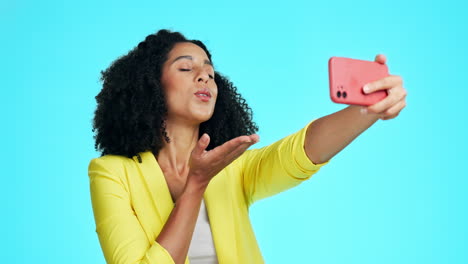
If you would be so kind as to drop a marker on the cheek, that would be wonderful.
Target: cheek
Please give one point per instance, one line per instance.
(170, 95)
(215, 92)
(172, 88)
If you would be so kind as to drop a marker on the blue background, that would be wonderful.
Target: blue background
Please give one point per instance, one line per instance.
(395, 195)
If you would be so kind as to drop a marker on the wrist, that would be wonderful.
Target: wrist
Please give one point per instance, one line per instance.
(194, 188)
(197, 182)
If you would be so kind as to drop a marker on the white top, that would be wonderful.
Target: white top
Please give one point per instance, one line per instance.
(202, 250)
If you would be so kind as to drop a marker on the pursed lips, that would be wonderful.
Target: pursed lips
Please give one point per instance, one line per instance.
(203, 94)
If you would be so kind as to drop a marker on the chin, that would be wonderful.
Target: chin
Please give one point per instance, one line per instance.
(204, 118)
(202, 115)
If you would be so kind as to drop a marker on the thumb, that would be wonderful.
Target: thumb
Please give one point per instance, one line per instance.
(380, 58)
(202, 143)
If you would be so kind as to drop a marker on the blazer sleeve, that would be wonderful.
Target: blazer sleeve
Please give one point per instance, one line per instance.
(277, 167)
(121, 236)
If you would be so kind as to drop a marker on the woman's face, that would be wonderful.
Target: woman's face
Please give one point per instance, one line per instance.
(188, 83)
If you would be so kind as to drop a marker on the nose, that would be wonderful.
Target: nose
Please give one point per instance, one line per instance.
(203, 76)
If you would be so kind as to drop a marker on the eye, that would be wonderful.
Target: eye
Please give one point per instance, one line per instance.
(184, 70)
(211, 76)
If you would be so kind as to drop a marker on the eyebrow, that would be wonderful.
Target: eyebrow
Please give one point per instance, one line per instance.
(191, 58)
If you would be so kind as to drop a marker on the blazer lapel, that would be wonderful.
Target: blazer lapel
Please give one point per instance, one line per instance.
(220, 212)
(156, 185)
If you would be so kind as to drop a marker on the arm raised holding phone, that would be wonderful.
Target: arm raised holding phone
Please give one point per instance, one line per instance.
(330, 134)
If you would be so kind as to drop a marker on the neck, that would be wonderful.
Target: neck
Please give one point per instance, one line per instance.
(175, 155)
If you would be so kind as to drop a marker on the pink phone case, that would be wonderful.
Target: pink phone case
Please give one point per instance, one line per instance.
(348, 76)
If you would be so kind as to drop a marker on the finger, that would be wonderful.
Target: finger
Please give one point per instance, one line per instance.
(380, 58)
(202, 143)
(383, 84)
(243, 147)
(383, 117)
(234, 154)
(394, 111)
(394, 96)
(232, 145)
(220, 161)
(229, 146)
(255, 138)
(239, 150)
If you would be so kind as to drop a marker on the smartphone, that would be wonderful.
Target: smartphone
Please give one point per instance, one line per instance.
(348, 77)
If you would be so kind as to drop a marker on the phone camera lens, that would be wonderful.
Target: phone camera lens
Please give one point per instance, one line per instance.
(338, 94)
(345, 94)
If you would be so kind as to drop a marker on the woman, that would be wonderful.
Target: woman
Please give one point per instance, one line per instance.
(173, 135)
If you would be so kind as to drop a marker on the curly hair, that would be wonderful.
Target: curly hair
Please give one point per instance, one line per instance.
(131, 107)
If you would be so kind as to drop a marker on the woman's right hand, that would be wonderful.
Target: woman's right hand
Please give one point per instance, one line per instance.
(204, 165)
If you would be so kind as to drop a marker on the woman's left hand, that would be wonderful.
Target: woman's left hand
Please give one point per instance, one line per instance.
(391, 105)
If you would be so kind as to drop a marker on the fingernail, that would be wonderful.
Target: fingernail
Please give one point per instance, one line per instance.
(366, 88)
(363, 110)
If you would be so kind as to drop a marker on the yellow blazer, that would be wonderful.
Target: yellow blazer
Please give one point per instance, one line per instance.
(131, 201)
